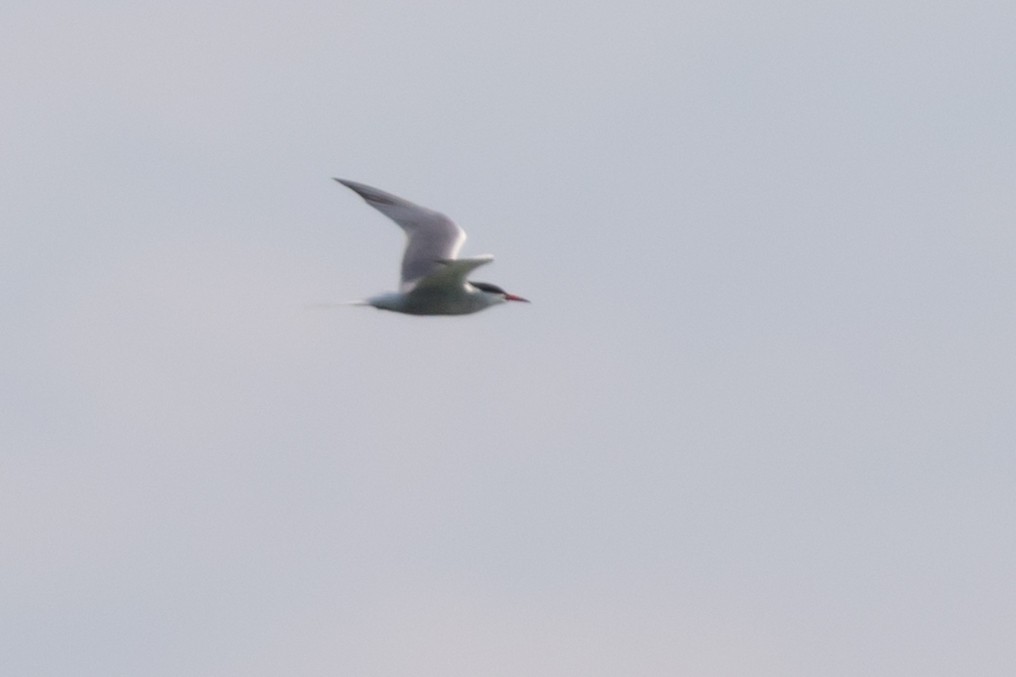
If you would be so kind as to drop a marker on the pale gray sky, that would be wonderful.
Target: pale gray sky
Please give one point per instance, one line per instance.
(758, 420)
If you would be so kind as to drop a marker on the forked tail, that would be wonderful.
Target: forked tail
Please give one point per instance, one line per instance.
(324, 306)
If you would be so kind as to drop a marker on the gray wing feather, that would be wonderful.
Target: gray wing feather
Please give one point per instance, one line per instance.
(453, 273)
(431, 237)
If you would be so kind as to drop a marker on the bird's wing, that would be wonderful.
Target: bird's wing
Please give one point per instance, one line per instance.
(431, 237)
(452, 273)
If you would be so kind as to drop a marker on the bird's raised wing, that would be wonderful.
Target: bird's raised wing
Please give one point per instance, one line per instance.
(431, 237)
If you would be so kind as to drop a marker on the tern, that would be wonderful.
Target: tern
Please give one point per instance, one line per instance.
(433, 278)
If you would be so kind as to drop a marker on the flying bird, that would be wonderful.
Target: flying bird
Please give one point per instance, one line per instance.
(433, 279)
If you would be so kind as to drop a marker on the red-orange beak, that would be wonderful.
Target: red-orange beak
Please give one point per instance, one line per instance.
(513, 297)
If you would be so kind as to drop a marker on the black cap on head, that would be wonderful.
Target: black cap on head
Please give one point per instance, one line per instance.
(488, 287)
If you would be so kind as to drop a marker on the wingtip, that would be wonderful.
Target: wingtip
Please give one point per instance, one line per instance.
(352, 185)
(363, 190)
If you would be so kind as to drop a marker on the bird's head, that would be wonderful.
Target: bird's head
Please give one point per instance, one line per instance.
(495, 293)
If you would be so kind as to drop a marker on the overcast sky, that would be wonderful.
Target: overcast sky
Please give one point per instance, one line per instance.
(759, 419)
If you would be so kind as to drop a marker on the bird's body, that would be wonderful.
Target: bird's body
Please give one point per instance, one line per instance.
(433, 280)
